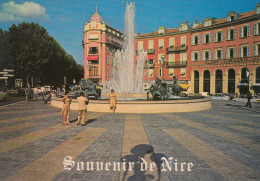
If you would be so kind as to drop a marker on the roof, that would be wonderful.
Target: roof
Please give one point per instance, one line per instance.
(216, 22)
(96, 17)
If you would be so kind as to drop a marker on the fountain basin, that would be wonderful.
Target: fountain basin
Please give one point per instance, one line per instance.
(143, 106)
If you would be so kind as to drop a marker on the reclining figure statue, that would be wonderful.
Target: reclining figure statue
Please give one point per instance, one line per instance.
(159, 89)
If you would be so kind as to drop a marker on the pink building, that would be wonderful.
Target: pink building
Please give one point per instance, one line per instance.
(100, 43)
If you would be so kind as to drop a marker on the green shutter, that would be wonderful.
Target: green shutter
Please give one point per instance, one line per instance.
(227, 35)
(203, 39)
(234, 34)
(221, 56)
(203, 55)
(215, 55)
(198, 56)
(254, 50)
(192, 56)
(221, 35)
(239, 51)
(248, 31)
(209, 37)
(255, 29)
(192, 40)
(198, 39)
(248, 51)
(215, 36)
(209, 55)
(234, 53)
(227, 53)
(240, 32)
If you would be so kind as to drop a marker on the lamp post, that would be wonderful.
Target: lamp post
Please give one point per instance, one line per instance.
(162, 60)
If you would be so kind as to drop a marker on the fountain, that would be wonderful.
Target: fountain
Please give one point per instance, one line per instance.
(127, 83)
(128, 77)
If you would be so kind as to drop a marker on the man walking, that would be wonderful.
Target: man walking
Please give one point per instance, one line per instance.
(249, 97)
(82, 104)
(43, 92)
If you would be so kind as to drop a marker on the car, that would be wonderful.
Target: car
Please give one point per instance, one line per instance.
(47, 88)
(221, 96)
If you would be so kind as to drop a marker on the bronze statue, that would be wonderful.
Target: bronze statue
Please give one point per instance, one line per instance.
(159, 89)
(176, 89)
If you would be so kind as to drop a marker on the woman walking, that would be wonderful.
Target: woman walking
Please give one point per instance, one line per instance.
(65, 112)
(112, 101)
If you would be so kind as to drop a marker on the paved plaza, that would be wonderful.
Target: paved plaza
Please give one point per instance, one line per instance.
(221, 143)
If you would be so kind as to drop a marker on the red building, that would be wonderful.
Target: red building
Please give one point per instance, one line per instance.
(214, 56)
(100, 42)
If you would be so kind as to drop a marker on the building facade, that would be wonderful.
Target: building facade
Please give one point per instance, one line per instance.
(216, 56)
(100, 43)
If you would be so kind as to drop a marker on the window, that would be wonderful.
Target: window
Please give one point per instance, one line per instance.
(218, 36)
(206, 55)
(171, 43)
(150, 44)
(257, 49)
(150, 72)
(160, 72)
(184, 27)
(140, 45)
(171, 72)
(183, 57)
(195, 40)
(218, 54)
(207, 23)
(93, 24)
(107, 60)
(258, 10)
(171, 57)
(93, 50)
(112, 61)
(195, 56)
(231, 34)
(107, 50)
(206, 38)
(244, 31)
(244, 51)
(161, 44)
(257, 29)
(183, 72)
(107, 72)
(231, 52)
(183, 41)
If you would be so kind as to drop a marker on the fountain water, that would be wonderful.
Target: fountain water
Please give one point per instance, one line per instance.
(128, 75)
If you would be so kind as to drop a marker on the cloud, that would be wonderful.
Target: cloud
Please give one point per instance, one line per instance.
(28, 10)
(64, 19)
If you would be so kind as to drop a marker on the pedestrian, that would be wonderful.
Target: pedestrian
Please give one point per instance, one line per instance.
(249, 97)
(35, 91)
(65, 112)
(26, 93)
(82, 105)
(112, 101)
(43, 92)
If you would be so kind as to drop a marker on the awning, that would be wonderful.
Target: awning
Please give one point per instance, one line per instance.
(184, 86)
(93, 57)
(256, 84)
(150, 57)
(243, 84)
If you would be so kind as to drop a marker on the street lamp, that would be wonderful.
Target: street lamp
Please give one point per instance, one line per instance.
(162, 60)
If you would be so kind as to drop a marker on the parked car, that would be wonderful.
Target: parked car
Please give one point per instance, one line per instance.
(220, 96)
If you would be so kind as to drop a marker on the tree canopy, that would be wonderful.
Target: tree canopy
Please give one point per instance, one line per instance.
(32, 52)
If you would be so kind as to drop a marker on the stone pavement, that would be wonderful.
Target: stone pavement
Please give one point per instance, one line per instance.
(221, 143)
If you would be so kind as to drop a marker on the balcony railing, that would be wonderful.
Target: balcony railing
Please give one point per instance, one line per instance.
(177, 48)
(176, 64)
(111, 42)
(242, 60)
(150, 51)
(149, 65)
(93, 52)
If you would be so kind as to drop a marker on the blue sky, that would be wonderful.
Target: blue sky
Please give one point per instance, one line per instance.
(65, 19)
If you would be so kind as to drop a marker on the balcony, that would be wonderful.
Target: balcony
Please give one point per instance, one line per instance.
(149, 66)
(177, 48)
(150, 51)
(176, 64)
(241, 60)
(93, 52)
(113, 43)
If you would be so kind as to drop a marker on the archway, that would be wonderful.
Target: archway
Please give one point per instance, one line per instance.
(206, 81)
(219, 81)
(196, 81)
(243, 85)
(231, 81)
(257, 81)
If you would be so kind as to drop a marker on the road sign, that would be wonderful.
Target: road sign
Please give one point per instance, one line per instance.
(3, 77)
(8, 75)
(8, 70)
(3, 72)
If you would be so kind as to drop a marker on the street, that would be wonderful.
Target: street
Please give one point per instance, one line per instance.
(221, 143)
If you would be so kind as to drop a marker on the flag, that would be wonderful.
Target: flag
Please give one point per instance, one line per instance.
(247, 74)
